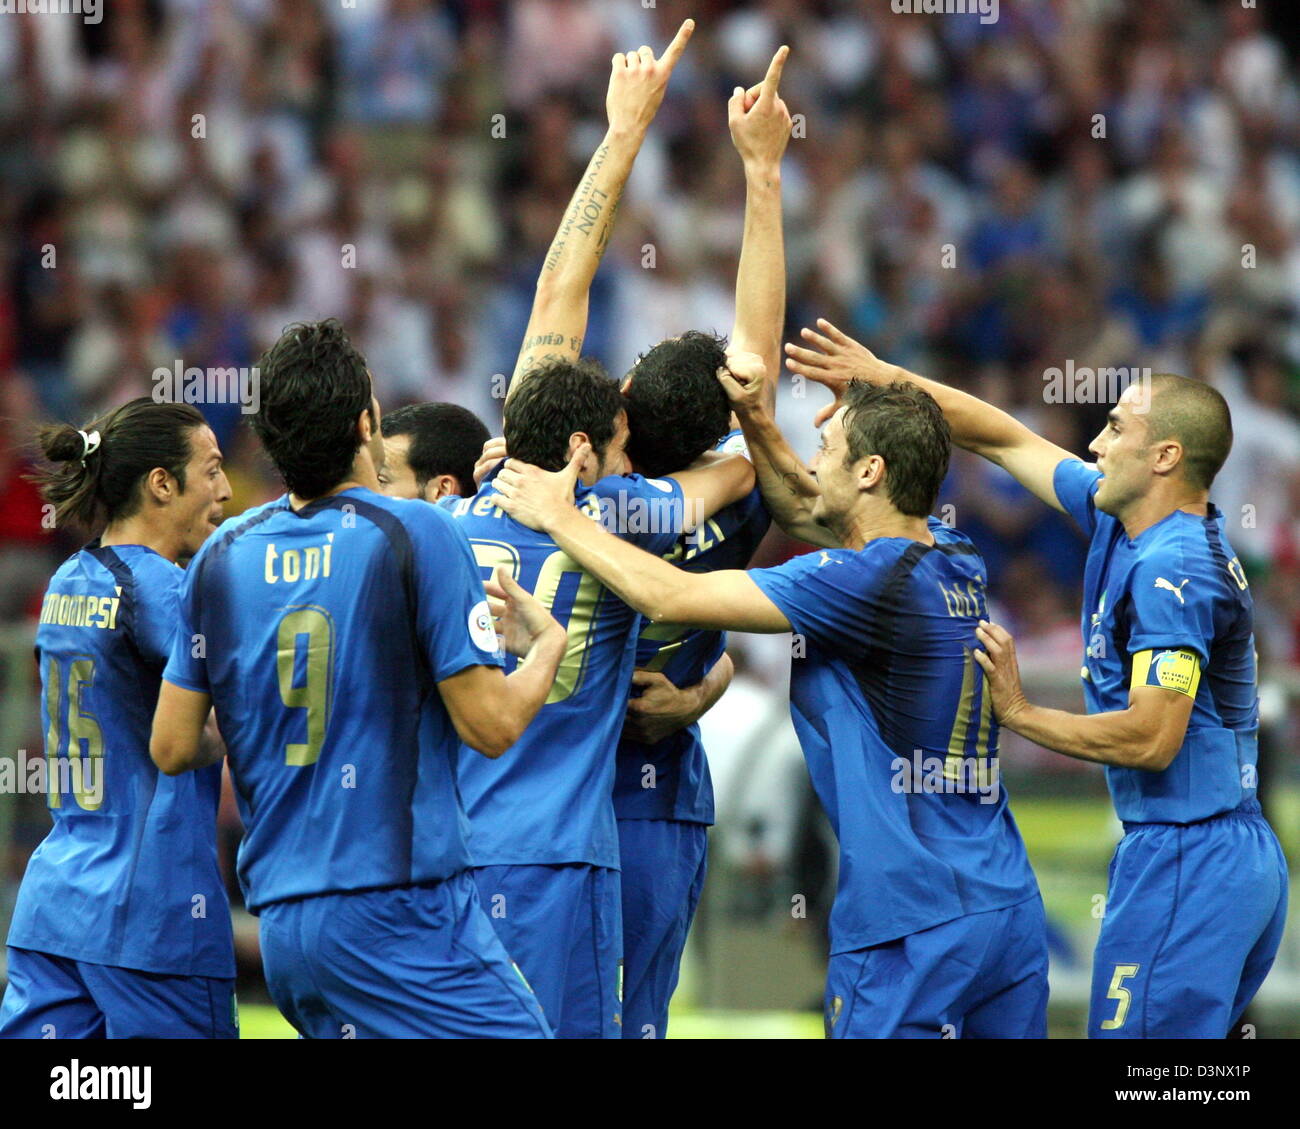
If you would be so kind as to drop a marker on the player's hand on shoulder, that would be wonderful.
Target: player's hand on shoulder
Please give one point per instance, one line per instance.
(538, 498)
(638, 80)
(743, 378)
(759, 120)
(834, 360)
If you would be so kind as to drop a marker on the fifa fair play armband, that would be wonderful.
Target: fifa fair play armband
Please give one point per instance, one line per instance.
(1178, 670)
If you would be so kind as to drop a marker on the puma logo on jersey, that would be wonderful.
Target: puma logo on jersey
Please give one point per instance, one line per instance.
(1161, 582)
(826, 559)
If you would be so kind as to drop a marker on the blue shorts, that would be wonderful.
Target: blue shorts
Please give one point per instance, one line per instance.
(664, 862)
(1194, 916)
(562, 925)
(53, 997)
(982, 976)
(408, 962)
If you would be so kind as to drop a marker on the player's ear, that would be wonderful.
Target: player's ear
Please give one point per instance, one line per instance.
(1169, 457)
(871, 472)
(159, 486)
(443, 486)
(591, 464)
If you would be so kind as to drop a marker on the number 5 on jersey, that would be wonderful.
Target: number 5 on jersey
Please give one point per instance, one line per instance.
(1123, 995)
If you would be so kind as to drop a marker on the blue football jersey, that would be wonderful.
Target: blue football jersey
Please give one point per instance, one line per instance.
(548, 799)
(128, 874)
(891, 711)
(670, 779)
(320, 635)
(1169, 608)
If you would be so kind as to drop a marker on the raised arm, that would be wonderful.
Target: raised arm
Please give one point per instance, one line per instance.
(713, 482)
(558, 322)
(760, 130)
(837, 359)
(789, 489)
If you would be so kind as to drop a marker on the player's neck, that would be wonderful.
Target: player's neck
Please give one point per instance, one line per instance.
(871, 526)
(141, 530)
(1158, 503)
(362, 474)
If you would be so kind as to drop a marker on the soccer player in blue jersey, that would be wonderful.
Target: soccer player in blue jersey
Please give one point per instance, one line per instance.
(937, 927)
(346, 643)
(660, 723)
(1198, 885)
(663, 795)
(543, 832)
(122, 928)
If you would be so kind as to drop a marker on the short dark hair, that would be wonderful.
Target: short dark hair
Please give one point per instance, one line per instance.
(903, 424)
(445, 439)
(676, 408)
(1197, 416)
(559, 398)
(104, 486)
(314, 384)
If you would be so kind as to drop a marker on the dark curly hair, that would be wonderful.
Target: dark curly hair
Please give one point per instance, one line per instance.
(104, 486)
(314, 384)
(559, 398)
(676, 409)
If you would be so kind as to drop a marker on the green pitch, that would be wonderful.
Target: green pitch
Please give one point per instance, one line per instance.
(1069, 841)
(262, 1021)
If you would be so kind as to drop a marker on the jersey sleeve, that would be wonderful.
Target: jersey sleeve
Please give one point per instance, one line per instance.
(453, 621)
(647, 512)
(1075, 483)
(157, 603)
(733, 443)
(187, 664)
(1172, 604)
(825, 595)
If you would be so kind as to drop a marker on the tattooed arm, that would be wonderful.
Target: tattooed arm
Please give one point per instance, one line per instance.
(558, 322)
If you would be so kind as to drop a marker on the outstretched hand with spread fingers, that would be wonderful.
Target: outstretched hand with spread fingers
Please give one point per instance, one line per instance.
(833, 362)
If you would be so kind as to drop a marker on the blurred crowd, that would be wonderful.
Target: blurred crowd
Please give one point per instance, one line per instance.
(1099, 183)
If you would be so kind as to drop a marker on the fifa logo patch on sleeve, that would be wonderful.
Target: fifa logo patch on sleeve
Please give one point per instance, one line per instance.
(481, 630)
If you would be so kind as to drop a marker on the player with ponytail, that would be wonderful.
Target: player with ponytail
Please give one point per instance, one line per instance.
(121, 927)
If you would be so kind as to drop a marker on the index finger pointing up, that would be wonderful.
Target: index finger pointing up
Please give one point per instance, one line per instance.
(773, 78)
(678, 45)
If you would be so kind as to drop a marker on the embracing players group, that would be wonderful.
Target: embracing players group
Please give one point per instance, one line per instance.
(459, 718)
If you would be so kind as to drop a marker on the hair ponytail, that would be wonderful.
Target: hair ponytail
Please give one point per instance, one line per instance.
(93, 475)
